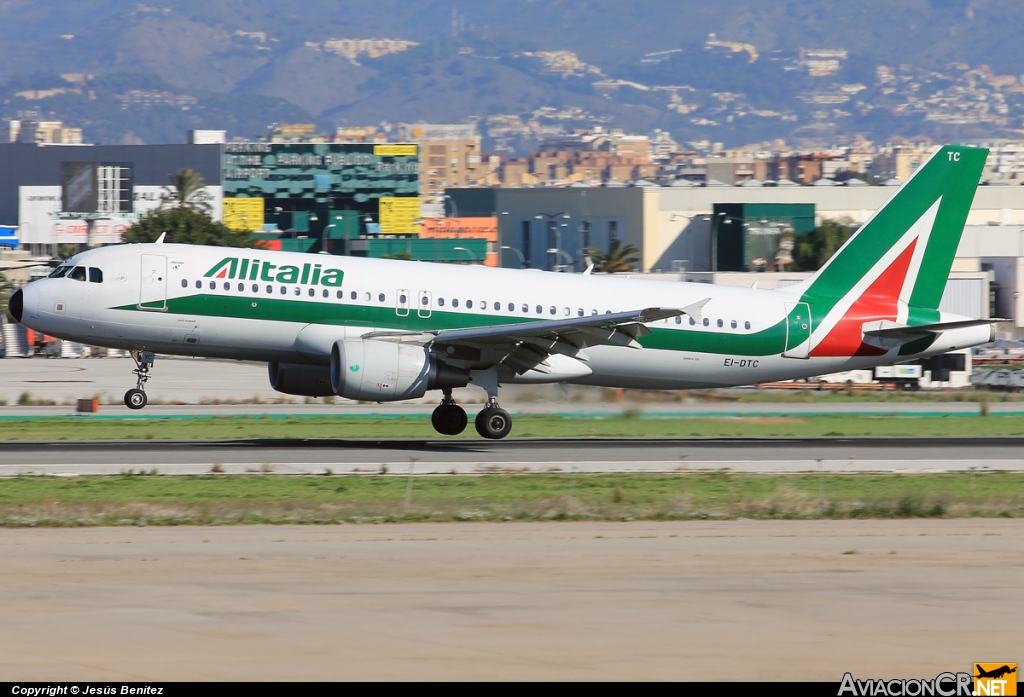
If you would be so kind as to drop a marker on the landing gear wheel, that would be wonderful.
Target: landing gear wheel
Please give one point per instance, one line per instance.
(449, 419)
(493, 422)
(135, 399)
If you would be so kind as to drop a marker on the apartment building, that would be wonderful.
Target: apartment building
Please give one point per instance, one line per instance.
(449, 157)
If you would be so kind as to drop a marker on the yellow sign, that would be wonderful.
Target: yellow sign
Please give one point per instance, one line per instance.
(394, 149)
(398, 216)
(995, 679)
(243, 213)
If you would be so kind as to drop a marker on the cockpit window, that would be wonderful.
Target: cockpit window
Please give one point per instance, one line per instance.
(95, 275)
(77, 274)
(60, 271)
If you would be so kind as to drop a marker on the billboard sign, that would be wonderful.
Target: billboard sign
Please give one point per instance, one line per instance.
(243, 214)
(149, 198)
(438, 131)
(399, 216)
(78, 187)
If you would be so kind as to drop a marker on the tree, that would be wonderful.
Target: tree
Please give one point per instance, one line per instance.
(814, 248)
(619, 258)
(185, 225)
(185, 184)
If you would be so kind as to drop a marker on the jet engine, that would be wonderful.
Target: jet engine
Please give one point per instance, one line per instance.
(385, 371)
(298, 379)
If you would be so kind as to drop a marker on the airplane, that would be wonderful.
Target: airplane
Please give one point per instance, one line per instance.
(384, 330)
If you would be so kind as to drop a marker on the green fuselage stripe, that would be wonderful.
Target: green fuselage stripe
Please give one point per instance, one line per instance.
(696, 339)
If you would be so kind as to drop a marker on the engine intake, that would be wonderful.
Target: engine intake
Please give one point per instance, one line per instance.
(302, 380)
(385, 371)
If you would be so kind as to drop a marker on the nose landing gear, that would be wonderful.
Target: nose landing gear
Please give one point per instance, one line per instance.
(136, 398)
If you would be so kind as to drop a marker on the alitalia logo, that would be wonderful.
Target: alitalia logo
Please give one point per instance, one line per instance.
(256, 270)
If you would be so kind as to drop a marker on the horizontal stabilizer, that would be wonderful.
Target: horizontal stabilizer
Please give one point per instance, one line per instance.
(902, 332)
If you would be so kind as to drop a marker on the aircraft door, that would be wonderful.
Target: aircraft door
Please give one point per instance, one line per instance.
(153, 291)
(402, 302)
(425, 305)
(798, 330)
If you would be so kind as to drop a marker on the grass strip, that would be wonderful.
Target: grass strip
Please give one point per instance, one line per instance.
(244, 427)
(140, 499)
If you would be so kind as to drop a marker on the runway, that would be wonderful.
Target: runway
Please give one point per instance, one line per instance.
(465, 456)
(701, 600)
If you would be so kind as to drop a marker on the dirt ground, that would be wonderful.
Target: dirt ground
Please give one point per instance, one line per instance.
(741, 600)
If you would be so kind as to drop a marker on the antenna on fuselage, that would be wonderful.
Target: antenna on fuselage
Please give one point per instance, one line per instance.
(160, 239)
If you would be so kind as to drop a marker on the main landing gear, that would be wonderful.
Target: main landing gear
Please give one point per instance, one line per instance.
(136, 399)
(449, 419)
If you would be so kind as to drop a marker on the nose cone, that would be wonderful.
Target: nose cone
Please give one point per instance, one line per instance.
(16, 305)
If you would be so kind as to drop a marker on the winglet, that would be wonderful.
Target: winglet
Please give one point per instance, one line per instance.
(589, 269)
(160, 239)
(694, 309)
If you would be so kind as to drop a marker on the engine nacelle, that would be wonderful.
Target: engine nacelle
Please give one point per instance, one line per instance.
(302, 380)
(385, 371)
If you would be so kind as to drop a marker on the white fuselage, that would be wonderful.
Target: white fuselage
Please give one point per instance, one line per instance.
(159, 298)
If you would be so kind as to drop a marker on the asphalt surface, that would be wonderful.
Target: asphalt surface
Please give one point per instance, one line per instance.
(775, 455)
(700, 600)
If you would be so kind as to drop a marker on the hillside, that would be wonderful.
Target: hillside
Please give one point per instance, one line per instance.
(953, 65)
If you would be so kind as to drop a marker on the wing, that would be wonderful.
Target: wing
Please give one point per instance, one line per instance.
(526, 346)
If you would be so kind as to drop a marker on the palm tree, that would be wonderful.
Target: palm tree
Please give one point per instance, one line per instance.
(619, 258)
(185, 184)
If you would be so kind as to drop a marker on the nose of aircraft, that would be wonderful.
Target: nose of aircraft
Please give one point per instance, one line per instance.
(16, 305)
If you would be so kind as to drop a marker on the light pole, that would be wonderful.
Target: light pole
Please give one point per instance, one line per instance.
(551, 217)
(556, 251)
(522, 259)
(463, 249)
(716, 223)
(323, 238)
(455, 209)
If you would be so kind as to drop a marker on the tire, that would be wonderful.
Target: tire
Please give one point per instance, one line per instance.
(494, 423)
(435, 418)
(135, 399)
(453, 420)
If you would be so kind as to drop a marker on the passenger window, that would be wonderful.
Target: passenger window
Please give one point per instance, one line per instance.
(511, 307)
(184, 283)
(455, 302)
(540, 310)
(340, 295)
(566, 311)
(402, 298)
(497, 306)
(213, 285)
(469, 304)
(95, 275)
(270, 289)
(353, 295)
(241, 287)
(692, 321)
(255, 288)
(366, 297)
(679, 319)
(77, 274)
(199, 285)
(526, 308)
(553, 310)
(440, 302)
(298, 291)
(733, 324)
(706, 321)
(284, 290)
(327, 293)
(227, 286)
(381, 298)
(720, 323)
(579, 312)
(312, 292)
(746, 325)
